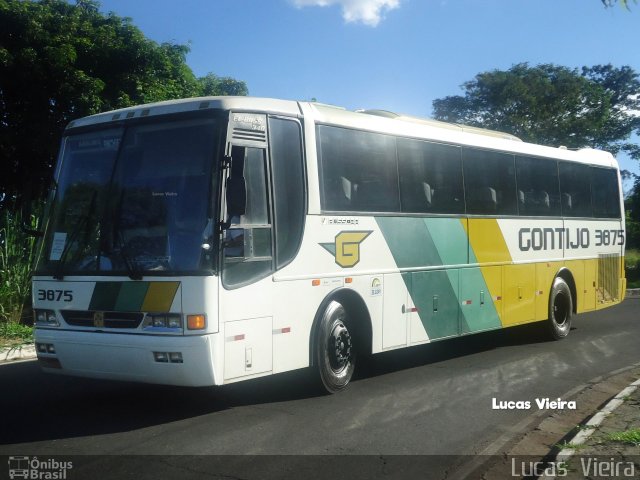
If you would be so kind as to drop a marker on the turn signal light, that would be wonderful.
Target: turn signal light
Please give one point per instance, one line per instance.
(196, 322)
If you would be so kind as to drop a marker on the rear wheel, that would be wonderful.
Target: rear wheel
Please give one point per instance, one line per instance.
(560, 309)
(335, 351)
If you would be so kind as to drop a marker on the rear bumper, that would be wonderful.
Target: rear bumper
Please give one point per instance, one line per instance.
(129, 357)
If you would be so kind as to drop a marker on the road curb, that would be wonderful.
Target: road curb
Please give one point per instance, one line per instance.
(583, 435)
(17, 353)
(632, 292)
(536, 435)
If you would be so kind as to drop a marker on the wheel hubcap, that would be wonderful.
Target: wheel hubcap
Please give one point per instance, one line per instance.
(560, 310)
(340, 347)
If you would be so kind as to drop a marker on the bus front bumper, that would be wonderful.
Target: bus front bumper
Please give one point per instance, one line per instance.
(129, 357)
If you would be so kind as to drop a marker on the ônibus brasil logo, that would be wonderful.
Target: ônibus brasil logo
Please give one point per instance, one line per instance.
(32, 468)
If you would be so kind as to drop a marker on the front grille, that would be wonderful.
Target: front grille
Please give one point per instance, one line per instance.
(84, 318)
(608, 278)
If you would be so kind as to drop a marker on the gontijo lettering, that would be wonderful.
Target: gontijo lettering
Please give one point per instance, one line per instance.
(566, 238)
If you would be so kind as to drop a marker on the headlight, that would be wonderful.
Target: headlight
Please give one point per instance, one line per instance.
(158, 321)
(171, 321)
(46, 318)
(174, 322)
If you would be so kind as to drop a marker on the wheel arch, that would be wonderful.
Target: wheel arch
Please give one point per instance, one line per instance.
(358, 311)
(567, 276)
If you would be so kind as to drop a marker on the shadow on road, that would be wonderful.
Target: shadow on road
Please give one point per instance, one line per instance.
(39, 407)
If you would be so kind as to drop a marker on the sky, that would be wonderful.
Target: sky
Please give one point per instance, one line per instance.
(396, 55)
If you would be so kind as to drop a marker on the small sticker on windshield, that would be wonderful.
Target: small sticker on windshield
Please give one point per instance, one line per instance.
(57, 245)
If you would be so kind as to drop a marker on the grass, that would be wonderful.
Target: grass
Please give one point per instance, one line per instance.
(12, 333)
(629, 437)
(632, 268)
(17, 256)
(571, 446)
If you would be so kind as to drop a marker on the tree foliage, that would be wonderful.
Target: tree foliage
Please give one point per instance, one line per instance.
(611, 3)
(553, 105)
(60, 61)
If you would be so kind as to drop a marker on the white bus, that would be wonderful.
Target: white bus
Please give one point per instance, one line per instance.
(211, 240)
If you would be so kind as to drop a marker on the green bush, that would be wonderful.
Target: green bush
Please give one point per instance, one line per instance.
(12, 333)
(17, 257)
(632, 268)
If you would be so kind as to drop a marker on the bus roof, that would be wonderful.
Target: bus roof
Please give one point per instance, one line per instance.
(372, 120)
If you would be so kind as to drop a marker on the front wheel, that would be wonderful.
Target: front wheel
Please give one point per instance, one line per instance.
(560, 309)
(335, 351)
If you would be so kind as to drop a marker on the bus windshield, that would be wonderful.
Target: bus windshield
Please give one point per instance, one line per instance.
(133, 200)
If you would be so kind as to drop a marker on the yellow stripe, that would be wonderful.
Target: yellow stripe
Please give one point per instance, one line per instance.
(488, 246)
(160, 296)
(487, 241)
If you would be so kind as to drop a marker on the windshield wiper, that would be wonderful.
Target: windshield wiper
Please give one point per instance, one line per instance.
(82, 223)
(132, 271)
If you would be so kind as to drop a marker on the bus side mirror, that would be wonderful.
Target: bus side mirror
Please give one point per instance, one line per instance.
(27, 225)
(236, 196)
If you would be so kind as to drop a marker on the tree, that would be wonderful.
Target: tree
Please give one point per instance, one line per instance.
(211, 84)
(60, 61)
(553, 105)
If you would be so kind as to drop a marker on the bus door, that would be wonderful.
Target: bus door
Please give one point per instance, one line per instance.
(246, 293)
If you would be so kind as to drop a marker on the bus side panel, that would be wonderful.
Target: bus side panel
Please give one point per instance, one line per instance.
(246, 316)
(480, 309)
(589, 290)
(395, 310)
(337, 252)
(519, 300)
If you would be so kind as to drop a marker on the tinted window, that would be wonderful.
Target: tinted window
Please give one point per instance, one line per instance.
(604, 193)
(359, 170)
(430, 177)
(538, 187)
(288, 186)
(575, 191)
(490, 185)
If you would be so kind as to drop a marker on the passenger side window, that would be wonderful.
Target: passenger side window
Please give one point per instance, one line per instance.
(605, 194)
(359, 170)
(430, 177)
(575, 191)
(288, 186)
(538, 186)
(490, 186)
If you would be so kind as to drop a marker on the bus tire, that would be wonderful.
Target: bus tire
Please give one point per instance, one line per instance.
(560, 309)
(335, 351)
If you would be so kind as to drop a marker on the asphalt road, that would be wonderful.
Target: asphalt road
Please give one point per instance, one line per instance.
(434, 401)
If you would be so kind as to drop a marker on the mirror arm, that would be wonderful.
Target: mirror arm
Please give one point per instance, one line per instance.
(30, 231)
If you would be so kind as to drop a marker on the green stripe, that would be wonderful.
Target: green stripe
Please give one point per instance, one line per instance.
(429, 242)
(412, 246)
(478, 316)
(409, 242)
(131, 296)
(105, 295)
